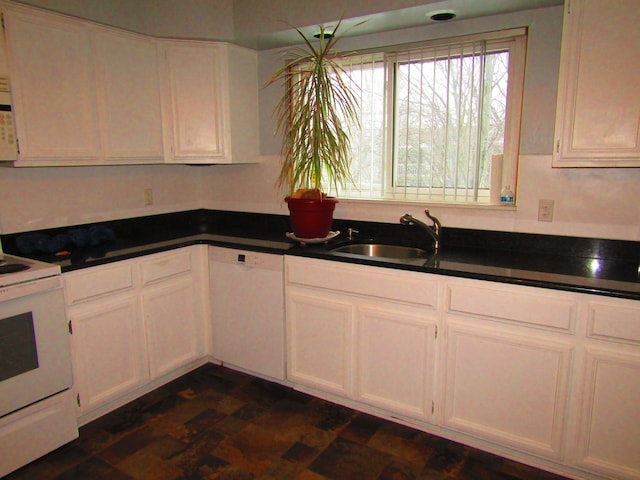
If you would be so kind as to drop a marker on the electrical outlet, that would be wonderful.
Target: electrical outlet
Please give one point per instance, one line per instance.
(148, 196)
(545, 210)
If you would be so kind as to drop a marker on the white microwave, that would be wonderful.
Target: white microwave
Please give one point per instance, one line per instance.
(8, 141)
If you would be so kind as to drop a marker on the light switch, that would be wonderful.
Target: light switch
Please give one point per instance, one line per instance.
(545, 210)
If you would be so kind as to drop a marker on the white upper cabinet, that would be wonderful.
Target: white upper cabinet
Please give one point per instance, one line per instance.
(598, 112)
(53, 88)
(86, 94)
(129, 98)
(211, 102)
(193, 81)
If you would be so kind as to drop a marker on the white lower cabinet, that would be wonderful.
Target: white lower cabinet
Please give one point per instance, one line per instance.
(136, 324)
(609, 429)
(320, 340)
(109, 351)
(545, 377)
(170, 320)
(352, 336)
(609, 414)
(510, 388)
(509, 354)
(395, 352)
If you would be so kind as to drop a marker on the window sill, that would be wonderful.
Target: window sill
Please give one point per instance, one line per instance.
(443, 205)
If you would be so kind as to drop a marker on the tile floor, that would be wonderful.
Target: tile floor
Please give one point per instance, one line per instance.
(214, 423)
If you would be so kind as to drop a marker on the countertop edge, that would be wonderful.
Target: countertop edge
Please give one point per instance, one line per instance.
(525, 278)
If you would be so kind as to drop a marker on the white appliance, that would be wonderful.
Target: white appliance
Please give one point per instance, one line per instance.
(247, 298)
(8, 139)
(37, 412)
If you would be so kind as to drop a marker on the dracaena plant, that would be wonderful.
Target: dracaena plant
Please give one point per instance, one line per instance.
(313, 115)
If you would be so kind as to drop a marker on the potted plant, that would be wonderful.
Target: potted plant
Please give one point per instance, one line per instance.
(313, 115)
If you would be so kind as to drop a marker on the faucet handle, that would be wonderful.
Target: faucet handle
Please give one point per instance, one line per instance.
(350, 232)
(436, 223)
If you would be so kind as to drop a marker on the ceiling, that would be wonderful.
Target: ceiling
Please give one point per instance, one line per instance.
(265, 24)
(253, 28)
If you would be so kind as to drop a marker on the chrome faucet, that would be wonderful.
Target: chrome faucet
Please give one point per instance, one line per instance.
(433, 230)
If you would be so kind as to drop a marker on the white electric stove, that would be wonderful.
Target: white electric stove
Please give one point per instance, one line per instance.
(37, 408)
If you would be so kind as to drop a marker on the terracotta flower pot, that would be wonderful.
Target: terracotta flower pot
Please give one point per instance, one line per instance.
(311, 218)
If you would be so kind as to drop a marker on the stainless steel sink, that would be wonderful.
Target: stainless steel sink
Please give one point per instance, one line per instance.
(383, 251)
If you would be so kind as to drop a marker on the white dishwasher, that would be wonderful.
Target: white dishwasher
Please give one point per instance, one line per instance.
(247, 301)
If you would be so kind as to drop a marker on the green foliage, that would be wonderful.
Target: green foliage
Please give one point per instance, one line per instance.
(317, 105)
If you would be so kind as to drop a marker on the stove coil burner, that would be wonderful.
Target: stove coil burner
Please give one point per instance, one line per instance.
(13, 268)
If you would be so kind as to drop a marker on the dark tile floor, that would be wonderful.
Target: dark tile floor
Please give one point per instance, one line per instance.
(215, 423)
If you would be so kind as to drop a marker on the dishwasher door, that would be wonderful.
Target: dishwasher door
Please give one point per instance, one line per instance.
(247, 300)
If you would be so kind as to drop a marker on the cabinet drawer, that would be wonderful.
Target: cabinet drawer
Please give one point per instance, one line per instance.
(513, 304)
(614, 322)
(165, 266)
(406, 287)
(97, 281)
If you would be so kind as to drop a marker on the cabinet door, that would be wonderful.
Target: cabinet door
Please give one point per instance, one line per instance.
(609, 435)
(129, 97)
(108, 350)
(598, 115)
(395, 359)
(197, 112)
(319, 340)
(171, 325)
(510, 388)
(53, 88)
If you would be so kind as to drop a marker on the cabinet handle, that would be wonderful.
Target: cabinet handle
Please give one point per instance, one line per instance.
(558, 146)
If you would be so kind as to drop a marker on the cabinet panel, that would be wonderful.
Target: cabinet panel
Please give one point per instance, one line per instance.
(211, 102)
(319, 331)
(395, 352)
(518, 305)
(164, 266)
(619, 321)
(170, 321)
(89, 284)
(108, 350)
(410, 287)
(508, 388)
(53, 87)
(610, 437)
(598, 115)
(196, 107)
(129, 96)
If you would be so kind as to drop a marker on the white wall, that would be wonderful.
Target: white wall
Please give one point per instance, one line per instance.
(38, 198)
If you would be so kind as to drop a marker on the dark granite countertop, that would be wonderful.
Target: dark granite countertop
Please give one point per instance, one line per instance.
(595, 266)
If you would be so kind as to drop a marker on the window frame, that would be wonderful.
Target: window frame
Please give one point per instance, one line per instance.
(504, 169)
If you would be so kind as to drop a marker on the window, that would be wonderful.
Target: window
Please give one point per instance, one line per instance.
(439, 122)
